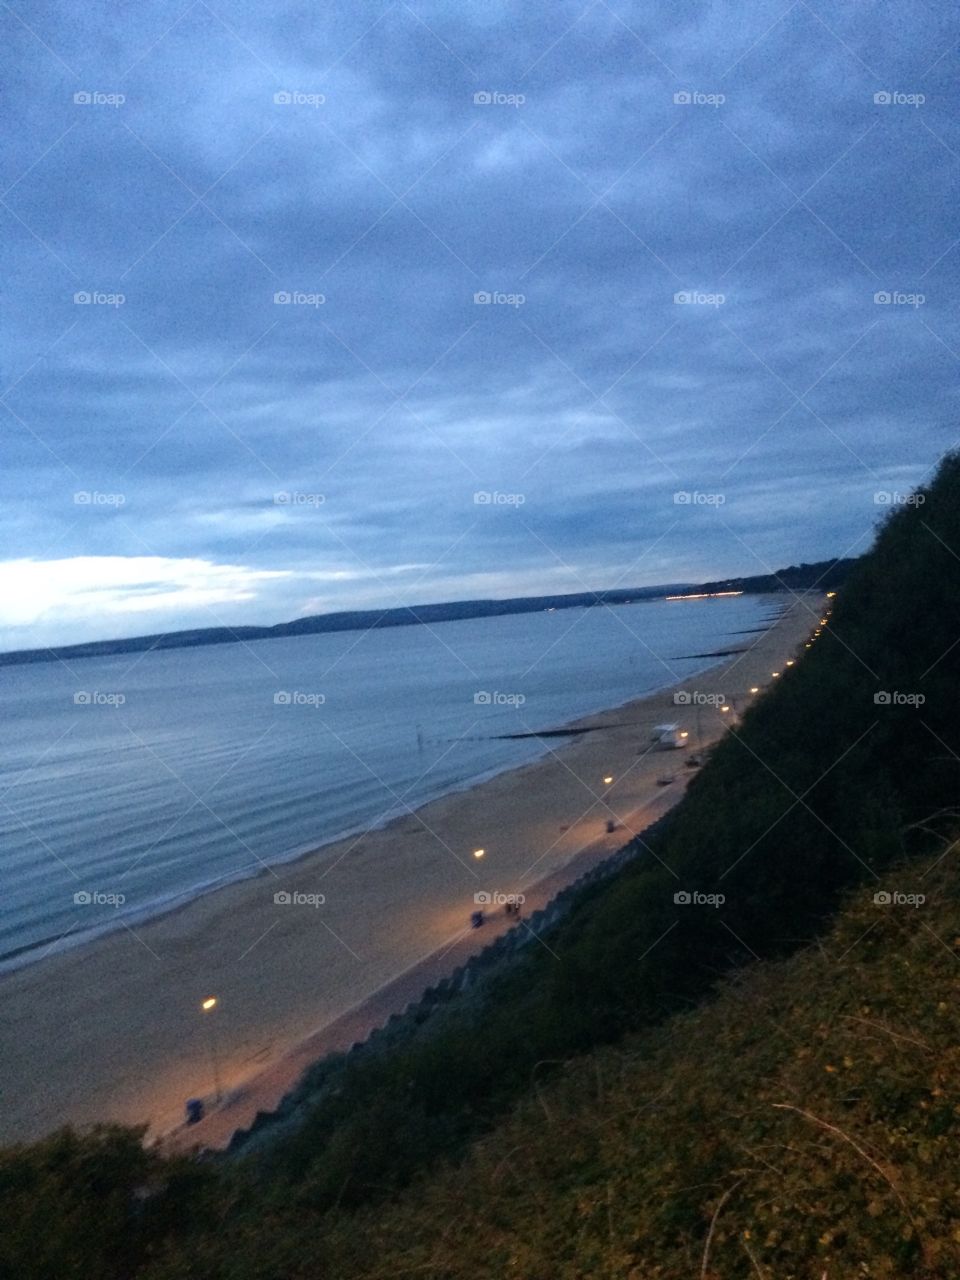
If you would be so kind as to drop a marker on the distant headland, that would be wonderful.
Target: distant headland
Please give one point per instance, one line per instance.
(825, 574)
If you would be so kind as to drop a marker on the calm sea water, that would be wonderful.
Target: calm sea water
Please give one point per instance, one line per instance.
(158, 777)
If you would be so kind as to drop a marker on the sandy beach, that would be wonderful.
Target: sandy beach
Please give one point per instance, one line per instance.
(113, 1031)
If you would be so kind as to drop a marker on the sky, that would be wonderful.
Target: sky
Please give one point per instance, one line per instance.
(319, 307)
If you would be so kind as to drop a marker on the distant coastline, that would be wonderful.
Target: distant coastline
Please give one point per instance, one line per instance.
(825, 575)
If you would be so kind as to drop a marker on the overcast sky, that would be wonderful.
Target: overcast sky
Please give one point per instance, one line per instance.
(181, 448)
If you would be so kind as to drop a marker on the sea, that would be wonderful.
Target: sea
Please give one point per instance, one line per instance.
(130, 784)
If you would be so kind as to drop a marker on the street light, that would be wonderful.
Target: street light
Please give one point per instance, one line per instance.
(478, 853)
(755, 689)
(607, 780)
(208, 1006)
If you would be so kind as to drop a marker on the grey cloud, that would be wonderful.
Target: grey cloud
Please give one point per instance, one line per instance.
(597, 199)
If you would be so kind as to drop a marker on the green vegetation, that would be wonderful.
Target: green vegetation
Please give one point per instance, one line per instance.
(806, 1122)
(620, 1160)
(92, 1206)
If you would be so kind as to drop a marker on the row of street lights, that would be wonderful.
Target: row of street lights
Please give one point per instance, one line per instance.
(210, 1003)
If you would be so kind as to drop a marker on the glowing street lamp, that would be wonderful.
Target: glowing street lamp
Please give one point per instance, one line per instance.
(208, 1006)
(608, 780)
(790, 662)
(478, 853)
(755, 689)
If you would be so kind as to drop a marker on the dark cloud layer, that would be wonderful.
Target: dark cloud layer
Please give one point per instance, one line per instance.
(736, 155)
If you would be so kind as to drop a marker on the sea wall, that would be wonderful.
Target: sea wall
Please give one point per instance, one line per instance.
(467, 982)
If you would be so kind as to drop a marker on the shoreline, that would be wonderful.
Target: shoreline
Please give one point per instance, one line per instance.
(266, 1091)
(125, 1005)
(29, 954)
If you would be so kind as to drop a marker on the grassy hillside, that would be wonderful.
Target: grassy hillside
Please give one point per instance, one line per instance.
(805, 1123)
(836, 776)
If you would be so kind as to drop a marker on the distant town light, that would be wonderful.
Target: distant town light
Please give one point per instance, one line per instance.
(478, 853)
(704, 595)
(209, 1003)
(607, 780)
(755, 689)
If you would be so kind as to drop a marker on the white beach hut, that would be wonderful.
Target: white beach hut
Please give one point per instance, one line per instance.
(670, 736)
